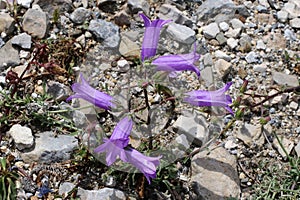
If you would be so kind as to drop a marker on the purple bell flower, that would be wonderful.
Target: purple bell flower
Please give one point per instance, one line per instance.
(114, 147)
(84, 91)
(147, 165)
(210, 98)
(151, 36)
(179, 62)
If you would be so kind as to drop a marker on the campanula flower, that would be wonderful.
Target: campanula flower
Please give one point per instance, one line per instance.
(151, 36)
(84, 91)
(179, 62)
(114, 146)
(210, 98)
(147, 165)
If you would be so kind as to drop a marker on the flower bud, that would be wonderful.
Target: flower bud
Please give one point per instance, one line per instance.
(265, 120)
(244, 86)
(237, 102)
(239, 113)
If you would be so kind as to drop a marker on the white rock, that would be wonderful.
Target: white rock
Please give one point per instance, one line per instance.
(222, 67)
(24, 3)
(232, 43)
(224, 26)
(215, 175)
(260, 68)
(282, 16)
(260, 45)
(236, 23)
(293, 105)
(181, 33)
(210, 31)
(234, 33)
(222, 55)
(104, 193)
(295, 23)
(297, 149)
(286, 143)
(192, 128)
(22, 136)
(249, 134)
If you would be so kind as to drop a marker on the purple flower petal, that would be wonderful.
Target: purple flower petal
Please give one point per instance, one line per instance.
(178, 62)
(147, 165)
(84, 91)
(210, 98)
(122, 131)
(151, 36)
(114, 146)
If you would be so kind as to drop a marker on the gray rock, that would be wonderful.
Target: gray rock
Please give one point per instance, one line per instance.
(23, 40)
(261, 9)
(293, 105)
(207, 59)
(209, 166)
(295, 23)
(24, 3)
(224, 26)
(49, 6)
(210, 31)
(57, 90)
(103, 194)
(207, 76)
(128, 48)
(212, 9)
(123, 65)
(222, 67)
(80, 15)
(232, 43)
(221, 38)
(106, 31)
(287, 144)
(260, 45)
(260, 68)
(236, 23)
(181, 140)
(245, 43)
(7, 23)
(167, 11)
(181, 33)
(285, 79)
(35, 22)
(233, 33)
(79, 119)
(293, 8)
(297, 149)
(2, 43)
(22, 136)
(250, 134)
(290, 35)
(65, 187)
(9, 56)
(194, 126)
(252, 57)
(222, 55)
(282, 16)
(50, 148)
(138, 5)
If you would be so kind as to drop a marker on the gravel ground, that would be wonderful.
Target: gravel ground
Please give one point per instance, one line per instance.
(47, 143)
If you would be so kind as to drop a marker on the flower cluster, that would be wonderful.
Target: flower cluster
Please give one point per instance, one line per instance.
(117, 145)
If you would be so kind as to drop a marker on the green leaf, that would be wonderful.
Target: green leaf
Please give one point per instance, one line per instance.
(2, 185)
(3, 164)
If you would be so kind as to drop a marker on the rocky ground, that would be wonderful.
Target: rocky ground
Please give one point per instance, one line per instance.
(47, 142)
